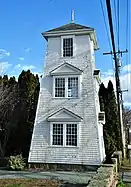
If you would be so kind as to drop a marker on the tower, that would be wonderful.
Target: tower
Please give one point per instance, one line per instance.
(68, 127)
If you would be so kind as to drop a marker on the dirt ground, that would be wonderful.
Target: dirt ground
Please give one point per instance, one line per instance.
(29, 183)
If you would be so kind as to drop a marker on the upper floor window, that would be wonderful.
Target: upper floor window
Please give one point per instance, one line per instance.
(72, 86)
(67, 47)
(59, 87)
(66, 86)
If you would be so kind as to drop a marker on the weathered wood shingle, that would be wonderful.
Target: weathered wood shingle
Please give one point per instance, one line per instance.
(90, 150)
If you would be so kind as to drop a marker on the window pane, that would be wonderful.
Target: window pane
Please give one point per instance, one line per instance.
(67, 47)
(57, 134)
(71, 134)
(59, 87)
(73, 87)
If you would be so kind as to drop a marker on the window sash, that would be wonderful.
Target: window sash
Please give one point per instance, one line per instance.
(73, 87)
(66, 87)
(57, 134)
(64, 134)
(59, 87)
(67, 47)
(71, 134)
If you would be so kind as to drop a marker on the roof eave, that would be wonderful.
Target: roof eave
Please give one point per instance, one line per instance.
(93, 37)
(60, 33)
(91, 32)
(72, 30)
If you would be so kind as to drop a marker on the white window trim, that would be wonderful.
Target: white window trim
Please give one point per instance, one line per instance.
(66, 86)
(74, 45)
(64, 134)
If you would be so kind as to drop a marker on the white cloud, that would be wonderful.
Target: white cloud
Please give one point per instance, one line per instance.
(108, 73)
(3, 67)
(27, 50)
(21, 58)
(125, 81)
(127, 68)
(17, 66)
(26, 67)
(4, 53)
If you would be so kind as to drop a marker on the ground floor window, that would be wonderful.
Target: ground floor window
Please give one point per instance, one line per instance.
(64, 134)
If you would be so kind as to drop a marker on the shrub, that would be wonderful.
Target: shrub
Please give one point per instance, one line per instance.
(17, 162)
(120, 184)
(125, 162)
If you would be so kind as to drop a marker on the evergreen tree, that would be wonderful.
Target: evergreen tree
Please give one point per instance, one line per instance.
(111, 129)
(18, 102)
(113, 115)
(5, 80)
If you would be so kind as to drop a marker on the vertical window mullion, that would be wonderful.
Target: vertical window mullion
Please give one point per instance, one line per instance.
(64, 134)
(54, 86)
(51, 134)
(79, 86)
(66, 87)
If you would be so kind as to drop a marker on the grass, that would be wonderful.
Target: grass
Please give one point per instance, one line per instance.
(29, 183)
(127, 184)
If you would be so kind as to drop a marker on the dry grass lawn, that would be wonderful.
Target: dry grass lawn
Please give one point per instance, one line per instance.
(29, 183)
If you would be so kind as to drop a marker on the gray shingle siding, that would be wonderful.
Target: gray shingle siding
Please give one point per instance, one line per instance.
(89, 150)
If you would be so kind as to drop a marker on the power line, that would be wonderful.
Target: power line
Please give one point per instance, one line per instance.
(118, 89)
(116, 28)
(129, 46)
(108, 37)
(118, 23)
(127, 20)
(127, 34)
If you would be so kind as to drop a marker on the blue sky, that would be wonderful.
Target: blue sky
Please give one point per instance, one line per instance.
(22, 22)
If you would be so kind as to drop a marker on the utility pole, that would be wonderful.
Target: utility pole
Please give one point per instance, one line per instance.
(117, 79)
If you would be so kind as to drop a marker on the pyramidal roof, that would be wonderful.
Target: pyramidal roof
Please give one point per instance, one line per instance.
(70, 26)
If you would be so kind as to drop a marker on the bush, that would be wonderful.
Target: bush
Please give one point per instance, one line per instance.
(120, 184)
(17, 162)
(125, 162)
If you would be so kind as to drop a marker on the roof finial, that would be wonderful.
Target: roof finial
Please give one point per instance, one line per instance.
(72, 16)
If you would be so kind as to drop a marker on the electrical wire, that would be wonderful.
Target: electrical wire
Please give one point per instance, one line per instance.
(127, 20)
(108, 37)
(115, 18)
(118, 22)
(127, 35)
(127, 43)
(105, 25)
(129, 38)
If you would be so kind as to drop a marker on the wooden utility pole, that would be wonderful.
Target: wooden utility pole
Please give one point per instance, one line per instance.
(117, 79)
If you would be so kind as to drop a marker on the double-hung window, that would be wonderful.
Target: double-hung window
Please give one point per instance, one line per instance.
(72, 86)
(67, 86)
(60, 87)
(68, 46)
(57, 136)
(64, 134)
